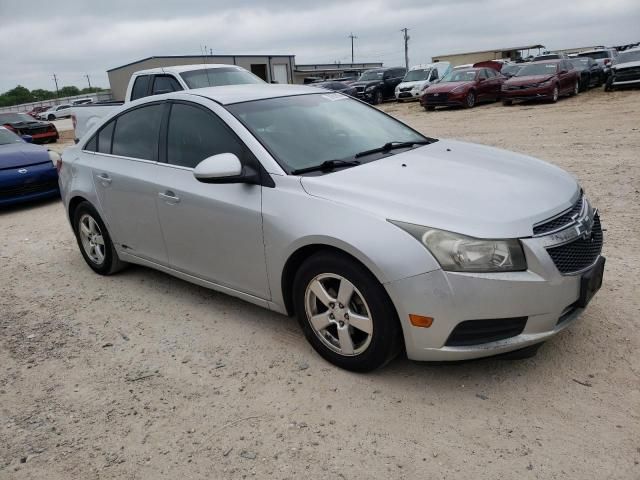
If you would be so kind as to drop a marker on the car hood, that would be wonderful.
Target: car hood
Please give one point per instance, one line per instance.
(528, 79)
(366, 84)
(21, 154)
(618, 66)
(471, 189)
(418, 83)
(447, 86)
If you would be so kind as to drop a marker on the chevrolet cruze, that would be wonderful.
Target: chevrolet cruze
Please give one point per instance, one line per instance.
(310, 203)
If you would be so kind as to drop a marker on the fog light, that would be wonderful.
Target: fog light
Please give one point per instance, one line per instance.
(420, 321)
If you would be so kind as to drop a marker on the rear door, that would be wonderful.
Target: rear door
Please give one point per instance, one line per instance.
(483, 88)
(124, 170)
(212, 231)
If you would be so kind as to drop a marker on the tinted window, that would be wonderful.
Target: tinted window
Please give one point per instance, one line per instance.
(491, 73)
(165, 84)
(483, 74)
(92, 145)
(140, 87)
(104, 138)
(136, 133)
(195, 134)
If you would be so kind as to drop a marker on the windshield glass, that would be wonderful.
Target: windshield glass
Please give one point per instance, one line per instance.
(579, 62)
(417, 75)
(538, 69)
(625, 57)
(7, 137)
(510, 69)
(305, 130)
(594, 55)
(459, 76)
(371, 75)
(15, 117)
(215, 77)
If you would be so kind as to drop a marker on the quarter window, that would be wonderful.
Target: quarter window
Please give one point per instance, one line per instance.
(104, 138)
(165, 84)
(140, 87)
(195, 134)
(136, 133)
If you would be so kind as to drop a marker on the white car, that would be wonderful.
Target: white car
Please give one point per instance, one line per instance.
(56, 112)
(418, 78)
(625, 71)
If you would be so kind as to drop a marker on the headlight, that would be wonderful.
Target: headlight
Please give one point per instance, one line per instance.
(372, 87)
(459, 253)
(458, 88)
(54, 157)
(545, 84)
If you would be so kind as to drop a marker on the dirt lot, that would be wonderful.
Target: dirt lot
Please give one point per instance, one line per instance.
(144, 376)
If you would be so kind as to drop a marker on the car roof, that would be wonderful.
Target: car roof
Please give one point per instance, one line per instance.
(229, 94)
(550, 60)
(186, 68)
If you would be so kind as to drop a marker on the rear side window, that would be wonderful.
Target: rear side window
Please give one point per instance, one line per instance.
(104, 138)
(165, 84)
(136, 133)
(140, 87)
(195, 134)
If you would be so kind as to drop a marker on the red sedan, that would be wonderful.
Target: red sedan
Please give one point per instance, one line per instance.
(545, 80)
(464, 87)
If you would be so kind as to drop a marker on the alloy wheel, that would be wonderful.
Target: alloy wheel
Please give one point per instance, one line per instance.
(471, 99)
(576, 89)
(338, 314)
(91, 239)
(555, 94)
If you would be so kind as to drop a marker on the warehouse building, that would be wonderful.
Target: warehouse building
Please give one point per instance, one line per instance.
(271, 68)
(326, 71)
(513, 53)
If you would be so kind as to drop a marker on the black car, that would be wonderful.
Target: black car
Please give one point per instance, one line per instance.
(376, 85)
(591, 73)
(23, 124)
(336, 87)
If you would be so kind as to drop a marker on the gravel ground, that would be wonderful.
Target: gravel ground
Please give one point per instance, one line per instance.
(143, 376)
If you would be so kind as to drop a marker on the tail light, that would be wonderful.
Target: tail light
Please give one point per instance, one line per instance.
(73, 121)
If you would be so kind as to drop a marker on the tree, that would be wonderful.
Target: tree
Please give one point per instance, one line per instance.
(69, 91)
(21, 94)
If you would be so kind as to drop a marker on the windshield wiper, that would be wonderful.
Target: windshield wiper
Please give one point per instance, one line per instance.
(387, 147)
(326, 166)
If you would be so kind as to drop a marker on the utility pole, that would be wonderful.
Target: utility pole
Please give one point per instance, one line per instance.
(55, 79)
(352, 37)
(88, 80)
(406, 47)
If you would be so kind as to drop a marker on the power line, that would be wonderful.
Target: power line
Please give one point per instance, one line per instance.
(352, 37)
(406, 47)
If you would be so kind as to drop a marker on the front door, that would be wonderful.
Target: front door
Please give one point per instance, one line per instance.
(212, 231)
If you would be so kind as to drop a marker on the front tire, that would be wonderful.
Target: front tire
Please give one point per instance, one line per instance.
(470, 100)
(51, 118)
(345, 313)
(507, 103)
(94, 241)
(555, 94)
(430, 108)
(377, 97)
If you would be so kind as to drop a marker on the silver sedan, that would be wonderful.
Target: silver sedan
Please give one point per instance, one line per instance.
(310, 203)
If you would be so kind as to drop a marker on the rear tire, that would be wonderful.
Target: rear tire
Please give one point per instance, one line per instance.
(507, 103)
(430, 108)
(357, 331)
(94, 241)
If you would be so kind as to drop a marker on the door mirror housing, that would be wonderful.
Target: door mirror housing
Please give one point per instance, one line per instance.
(224, 168)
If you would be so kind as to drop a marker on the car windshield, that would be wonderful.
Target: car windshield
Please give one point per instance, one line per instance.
(371, 75)
(7, 137)
(579, 62)
(538, 69)
(459, 76)
(215, 77)
(510, 69)
(595, 55)
(417, 75)
(625, 57)
(305, 130)
(15, 117)
(551, 56)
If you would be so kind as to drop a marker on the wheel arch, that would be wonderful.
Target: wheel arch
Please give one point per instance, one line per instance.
(73, 204)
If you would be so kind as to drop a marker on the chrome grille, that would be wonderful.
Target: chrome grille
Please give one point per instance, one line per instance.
(580, 254)
(561, 220)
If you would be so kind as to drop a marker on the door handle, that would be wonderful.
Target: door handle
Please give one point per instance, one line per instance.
(169, 197)
(104, 178)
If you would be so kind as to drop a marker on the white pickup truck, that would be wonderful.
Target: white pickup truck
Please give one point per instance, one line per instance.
(157, 81)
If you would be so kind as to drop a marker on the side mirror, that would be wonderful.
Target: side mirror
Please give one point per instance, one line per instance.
(481, 79)
(27, 138)
(224, 168)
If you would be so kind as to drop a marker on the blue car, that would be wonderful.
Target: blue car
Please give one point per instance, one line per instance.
(27, 172)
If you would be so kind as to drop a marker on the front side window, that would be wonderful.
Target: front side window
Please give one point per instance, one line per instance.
(140, 87)
(195, 134)
(305, 130)
(136, 133)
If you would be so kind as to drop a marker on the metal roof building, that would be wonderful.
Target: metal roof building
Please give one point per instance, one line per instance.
(483, 55)
(271, 68)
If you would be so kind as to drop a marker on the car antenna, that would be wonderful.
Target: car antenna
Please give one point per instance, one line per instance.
(204, 62)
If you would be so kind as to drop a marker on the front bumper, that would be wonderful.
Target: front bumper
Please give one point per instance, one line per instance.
(39, 182)
(541, 294)
(532, 93)
(447, 99)
(408, 95)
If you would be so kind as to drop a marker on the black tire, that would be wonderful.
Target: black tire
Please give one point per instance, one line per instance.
(576, 89)
(470, 99)
(555, 94)
(430, 108)
(377, 97)
(608, 86)
(507, 103)
(385, 341)
(51, 118)
(600, 80)
(111, 263)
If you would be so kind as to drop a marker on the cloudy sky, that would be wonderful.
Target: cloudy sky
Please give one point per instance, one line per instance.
(77, 37)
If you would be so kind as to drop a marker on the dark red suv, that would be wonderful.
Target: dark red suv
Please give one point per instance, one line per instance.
(545, 80)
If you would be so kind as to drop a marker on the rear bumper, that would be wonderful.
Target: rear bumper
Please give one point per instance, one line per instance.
(45, 137)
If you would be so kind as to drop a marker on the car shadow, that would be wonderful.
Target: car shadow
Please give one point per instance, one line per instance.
(28, 205)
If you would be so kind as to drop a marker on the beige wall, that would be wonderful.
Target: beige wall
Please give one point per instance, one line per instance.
(119, 78)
